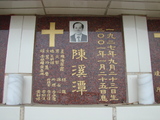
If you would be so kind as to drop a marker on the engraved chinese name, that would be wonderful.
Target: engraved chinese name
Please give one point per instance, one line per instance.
(78, 70)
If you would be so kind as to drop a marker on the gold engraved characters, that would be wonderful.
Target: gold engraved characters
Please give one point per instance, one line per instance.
(50, 58)
(79, 71)
(48, 95)
(157, 74)
(79, 86)
(107, 66)
(79, 54)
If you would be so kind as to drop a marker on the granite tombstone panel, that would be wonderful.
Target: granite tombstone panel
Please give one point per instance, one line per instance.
(79, 60)
(154, 41)
(4, 30)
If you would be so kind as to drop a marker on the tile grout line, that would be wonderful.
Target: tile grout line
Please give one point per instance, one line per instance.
(114, 114)
(21, 112)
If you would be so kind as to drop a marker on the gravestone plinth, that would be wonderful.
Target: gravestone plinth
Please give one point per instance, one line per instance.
(72, 72)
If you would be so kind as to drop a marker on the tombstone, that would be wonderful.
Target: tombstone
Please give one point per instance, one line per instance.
(154, 41)
(4, 31)
(68, 71)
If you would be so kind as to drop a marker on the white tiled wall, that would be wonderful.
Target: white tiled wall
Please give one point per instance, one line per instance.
(138, 113)
(143, 44)
(80, 113)
(27, 44)
(9, 113)
(132, 88)
(14, 42)
(20, 57)
(20, 52)
(20, 44)
(68, 113)
(27, 90)
(137, 52)
(136, 44)
(131, 46)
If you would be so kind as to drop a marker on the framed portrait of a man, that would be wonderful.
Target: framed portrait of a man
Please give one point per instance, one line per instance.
(78, 31)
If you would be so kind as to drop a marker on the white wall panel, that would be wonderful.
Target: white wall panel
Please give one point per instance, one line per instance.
(138, 113)
(27, 90)
(14, 41)
(143, 44)
(68, 113)
(9, 113)
(131, 48)
(27, 44)
(132, 88)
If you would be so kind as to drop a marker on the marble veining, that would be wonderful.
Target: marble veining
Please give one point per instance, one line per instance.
(145, 89)
(14, 90)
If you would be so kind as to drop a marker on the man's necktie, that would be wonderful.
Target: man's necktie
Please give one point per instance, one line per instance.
(78, 38)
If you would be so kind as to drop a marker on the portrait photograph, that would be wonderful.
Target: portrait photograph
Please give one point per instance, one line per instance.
(78, 31)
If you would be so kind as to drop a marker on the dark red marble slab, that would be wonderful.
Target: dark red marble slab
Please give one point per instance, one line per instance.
(4, 30)
(154, 41)
(80, 73)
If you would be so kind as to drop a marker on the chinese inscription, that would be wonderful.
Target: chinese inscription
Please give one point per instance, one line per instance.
(79, 73)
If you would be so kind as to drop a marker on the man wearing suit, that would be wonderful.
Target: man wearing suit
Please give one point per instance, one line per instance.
(78, 36)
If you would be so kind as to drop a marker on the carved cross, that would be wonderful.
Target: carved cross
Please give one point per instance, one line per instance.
(52, 32)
